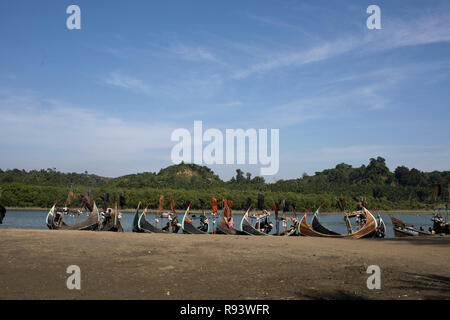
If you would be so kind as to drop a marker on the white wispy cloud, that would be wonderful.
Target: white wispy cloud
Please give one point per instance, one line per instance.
(125, 82)
(330, 103)
(192, 53)
(321, 52)
(73, 137)
(230, 104)
(423, 29)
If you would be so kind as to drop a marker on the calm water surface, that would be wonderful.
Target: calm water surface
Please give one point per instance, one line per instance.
(36, 220)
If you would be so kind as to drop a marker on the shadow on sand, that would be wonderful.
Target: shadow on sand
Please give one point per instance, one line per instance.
(335, 295)
(436, 240)
(440, 285)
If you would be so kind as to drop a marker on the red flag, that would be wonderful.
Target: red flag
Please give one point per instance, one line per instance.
(275, 208)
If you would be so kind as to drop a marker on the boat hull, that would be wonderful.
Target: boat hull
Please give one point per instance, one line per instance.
(401, 230)
(247, 228)
(367, 231)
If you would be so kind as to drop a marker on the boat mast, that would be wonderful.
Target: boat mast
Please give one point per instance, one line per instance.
(347, 222)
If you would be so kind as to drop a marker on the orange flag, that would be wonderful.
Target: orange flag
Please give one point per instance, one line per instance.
(161, 204)
(214, 200)
(172, 205)
(226, 211)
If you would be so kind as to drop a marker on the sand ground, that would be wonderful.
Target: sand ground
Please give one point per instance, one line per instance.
(176, 266)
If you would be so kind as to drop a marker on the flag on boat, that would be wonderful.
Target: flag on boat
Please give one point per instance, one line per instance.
(172, 205)
(285, 205)
(71, 196)
(122, 200)
(214, 200)
(437, 190)
(161, 204)
(226, 211)
(52, 210)
(249, 203)
(275, 208)
(260, 202)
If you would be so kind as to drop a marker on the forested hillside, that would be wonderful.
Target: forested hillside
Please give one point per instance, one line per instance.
(402, 189)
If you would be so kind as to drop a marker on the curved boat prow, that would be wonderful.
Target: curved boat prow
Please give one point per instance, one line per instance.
(247, 228)
(186, 216)
(136, 219)
(381, 227)
(187, 225)
(244, 217)
(218, 218)
(50, 219)
(145, 226)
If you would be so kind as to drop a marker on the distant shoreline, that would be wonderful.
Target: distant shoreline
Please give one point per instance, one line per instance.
(131, 210)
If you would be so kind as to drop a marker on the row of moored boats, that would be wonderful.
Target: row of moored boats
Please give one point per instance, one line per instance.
(255, 223)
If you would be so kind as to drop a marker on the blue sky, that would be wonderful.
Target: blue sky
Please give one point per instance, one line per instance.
(107, 97)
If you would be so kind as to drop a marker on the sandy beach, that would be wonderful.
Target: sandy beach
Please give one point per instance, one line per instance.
(176, 266)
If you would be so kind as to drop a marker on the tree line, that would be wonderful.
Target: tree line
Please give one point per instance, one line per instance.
(402, 189)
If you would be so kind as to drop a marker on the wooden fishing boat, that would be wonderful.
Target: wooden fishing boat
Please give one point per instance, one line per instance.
(54, 221)
(225, 221)
(111, 222)
(317, 226)
(188, 227)
(140, 224)
(368, 230)
(247, 228)
(401, 230)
